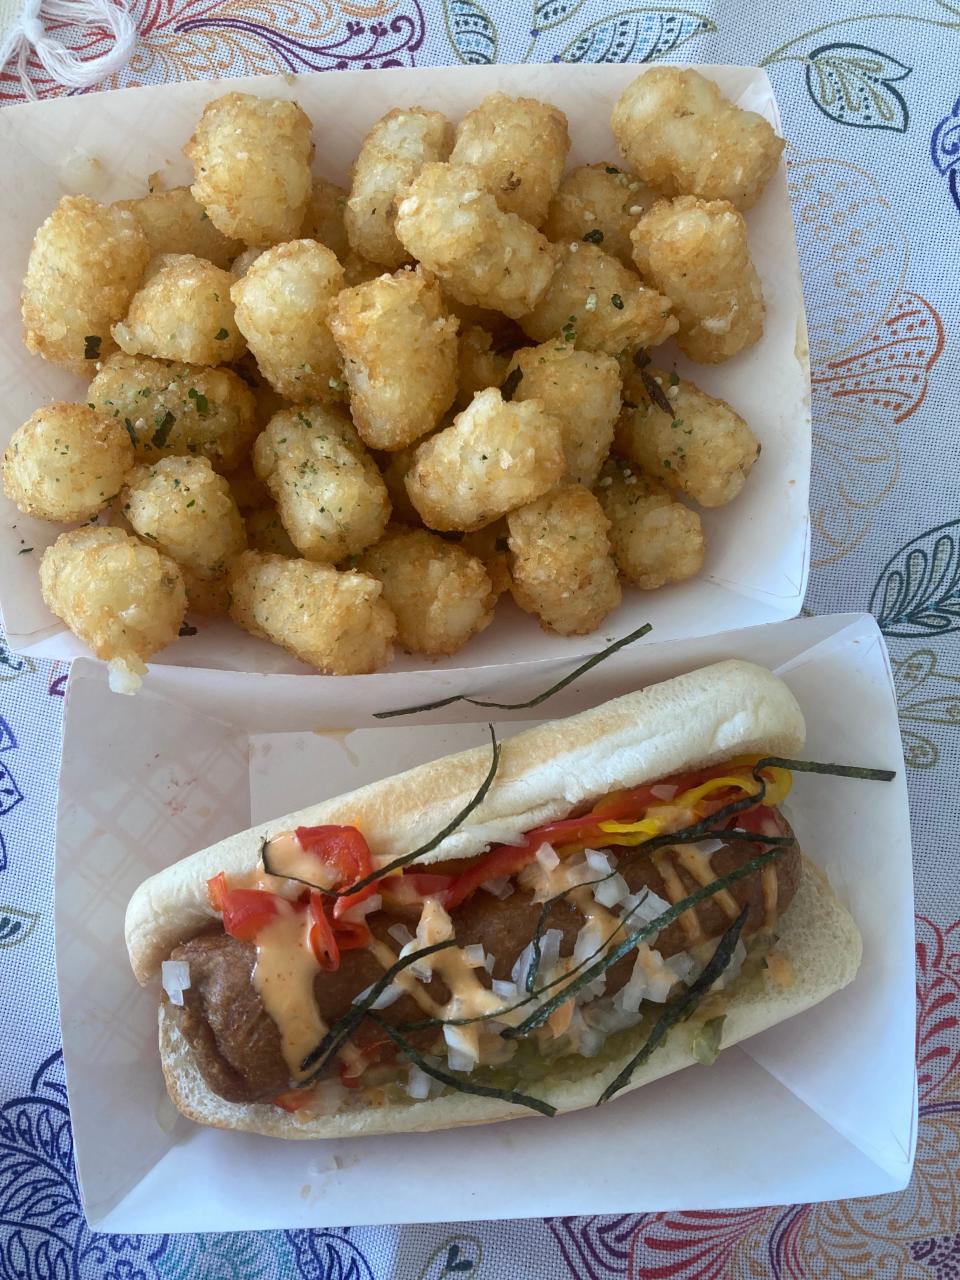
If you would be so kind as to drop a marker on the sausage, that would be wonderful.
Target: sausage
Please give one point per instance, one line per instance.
(237, 1045)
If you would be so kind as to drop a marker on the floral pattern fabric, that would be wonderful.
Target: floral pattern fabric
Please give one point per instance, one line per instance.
(871, 109)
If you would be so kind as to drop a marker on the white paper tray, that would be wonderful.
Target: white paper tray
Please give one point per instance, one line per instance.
(820, 1107)
(758, 548)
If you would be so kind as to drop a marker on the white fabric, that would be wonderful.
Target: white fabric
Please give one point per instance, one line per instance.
(29, 34)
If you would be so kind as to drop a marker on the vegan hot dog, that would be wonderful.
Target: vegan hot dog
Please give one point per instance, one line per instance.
(533, 927)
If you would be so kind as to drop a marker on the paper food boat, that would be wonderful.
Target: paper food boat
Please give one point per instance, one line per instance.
(758, 547)
(821, 1107)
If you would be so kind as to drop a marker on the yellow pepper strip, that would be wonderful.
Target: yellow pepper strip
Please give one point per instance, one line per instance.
(778, 784)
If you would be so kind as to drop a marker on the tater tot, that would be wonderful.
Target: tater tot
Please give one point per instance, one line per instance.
(679, 133)
(265, 532)
(441, 595)
(84, 267)
(581, 390)
(600, 204)
(182, 312)
(336, 622)
(519, 147)
(394, 468)
(251, 161)
(244, 261)
(495, 457)
(324, 217)
(123, 599)
(697, 254)
(182, 507)
(561, 564)
(596, 303)
(171, 408)
(331, 497)
(391, 156)
(655, 538)
(282, 308)
(249, 492)
(399, 350)
(490, 544)
(173, 222)
(483, 256)
(705, 450)
(66, 462)
(480, 364)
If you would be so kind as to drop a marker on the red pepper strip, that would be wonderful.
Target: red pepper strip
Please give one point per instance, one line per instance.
(217, 890)
(503, 860)
(322, 938)
(246, 911)
(351, 934)
(347, 852)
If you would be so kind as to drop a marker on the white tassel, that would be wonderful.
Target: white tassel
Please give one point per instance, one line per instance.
(60, 63)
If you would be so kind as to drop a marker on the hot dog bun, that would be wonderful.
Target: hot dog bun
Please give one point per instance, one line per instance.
(702, 718)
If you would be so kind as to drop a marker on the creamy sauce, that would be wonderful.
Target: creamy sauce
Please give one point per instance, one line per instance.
(287, 857)
(283, 975)
(771, 894)
(697, 864)
(689, 921)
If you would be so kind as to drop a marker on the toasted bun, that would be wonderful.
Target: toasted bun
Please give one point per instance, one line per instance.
(816, 933)
(701, 718)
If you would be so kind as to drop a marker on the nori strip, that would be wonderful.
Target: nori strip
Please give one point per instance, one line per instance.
(681, 1008)
(531, 702)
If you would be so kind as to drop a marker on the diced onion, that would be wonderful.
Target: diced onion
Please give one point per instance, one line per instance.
(418, 1083)
(588, 941)
(499, 886)
(549, 950)
(175, 976)
(490, 963)
(547, 857)
(643, 907)
(400, 933)
(684, 966)
(664, 790)
(611, 892)
(597, 860)
(521, 965)
(463, 1050)
(709, 847)
(360, 910)
(505, 990)
(474, 955)
(421, 968)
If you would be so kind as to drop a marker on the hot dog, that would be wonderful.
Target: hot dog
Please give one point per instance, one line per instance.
(533, 926)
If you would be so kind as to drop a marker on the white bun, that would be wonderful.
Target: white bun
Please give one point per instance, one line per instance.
(701, 718)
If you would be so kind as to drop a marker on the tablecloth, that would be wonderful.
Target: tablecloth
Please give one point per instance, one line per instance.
(872, 117)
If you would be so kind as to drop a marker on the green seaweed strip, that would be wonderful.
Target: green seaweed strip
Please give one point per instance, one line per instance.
(455, 1082)
(833, 770)
(344, 1027)
(543, 1011)
(402, 861)
(680, 1009)
(531, 702)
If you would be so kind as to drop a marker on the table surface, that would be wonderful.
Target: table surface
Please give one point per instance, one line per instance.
(872, 118)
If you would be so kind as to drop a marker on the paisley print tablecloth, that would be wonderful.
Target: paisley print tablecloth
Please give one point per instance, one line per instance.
(871, 107)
